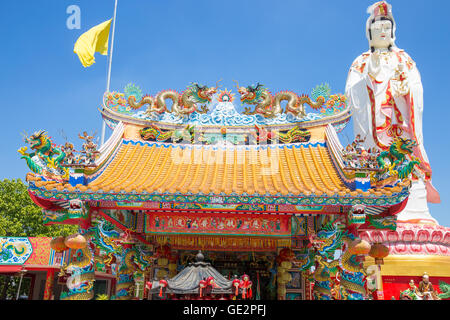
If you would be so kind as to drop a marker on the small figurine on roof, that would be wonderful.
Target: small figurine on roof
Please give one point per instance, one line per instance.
(68, 149)
(89, 148)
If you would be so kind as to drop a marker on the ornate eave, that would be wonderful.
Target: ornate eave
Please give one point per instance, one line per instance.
(301, 199)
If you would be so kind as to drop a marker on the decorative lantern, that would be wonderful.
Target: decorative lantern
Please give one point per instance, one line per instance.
(359, 247)
(172, 267)
(161, 273)
(58, 244)
(236, 284)
(202, 284)
(162, 285)
(210, 282)
(378, 251)
(76, 241)
(245, 284)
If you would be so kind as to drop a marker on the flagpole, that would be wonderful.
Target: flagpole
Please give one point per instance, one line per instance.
(109, 65)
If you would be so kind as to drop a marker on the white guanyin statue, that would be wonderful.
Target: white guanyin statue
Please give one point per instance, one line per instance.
(386, 95)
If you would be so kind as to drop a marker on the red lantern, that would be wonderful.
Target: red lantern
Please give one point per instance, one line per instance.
(58, 244)
(245, 284)
(162, 284)
(379, 251)
(202, 284)
(76, 241)
(210, 282)
(359, 247)
(236, 283)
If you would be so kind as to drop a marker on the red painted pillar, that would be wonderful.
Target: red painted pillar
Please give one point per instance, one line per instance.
(49, 283)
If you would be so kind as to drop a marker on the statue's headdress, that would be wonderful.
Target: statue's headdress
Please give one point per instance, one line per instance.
(377, 11)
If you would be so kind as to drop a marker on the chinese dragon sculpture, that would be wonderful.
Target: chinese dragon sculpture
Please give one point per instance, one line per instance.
(132, 258)
(182, 104)
(155, 133)
(295, 134)
(81, 281)
(347, 270)
(394, 162)
(269, 106)
(105, 237)
(46, 157)
(445, 289)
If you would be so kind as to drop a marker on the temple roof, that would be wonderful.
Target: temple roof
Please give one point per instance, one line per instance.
(137, 168)
(157, 167)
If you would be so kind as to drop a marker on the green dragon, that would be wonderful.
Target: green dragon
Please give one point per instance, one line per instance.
(321, 250)
(134, 258)
(395, 161)
(51, 157)
(445, 288)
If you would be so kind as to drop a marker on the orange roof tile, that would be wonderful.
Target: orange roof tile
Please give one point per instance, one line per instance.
(167, 168)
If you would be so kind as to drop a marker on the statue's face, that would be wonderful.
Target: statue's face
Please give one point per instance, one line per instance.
(381, 31)
(425, 279)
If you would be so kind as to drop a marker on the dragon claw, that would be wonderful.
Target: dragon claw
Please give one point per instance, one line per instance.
(23, 150)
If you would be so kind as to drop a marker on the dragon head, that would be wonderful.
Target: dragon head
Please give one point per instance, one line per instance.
(405, 146)
(203, 94)
(37, 140)
(250, 94)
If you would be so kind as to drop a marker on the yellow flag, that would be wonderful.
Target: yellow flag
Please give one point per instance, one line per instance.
(92, 41)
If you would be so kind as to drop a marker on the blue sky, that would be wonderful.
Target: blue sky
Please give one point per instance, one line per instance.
(293, 45)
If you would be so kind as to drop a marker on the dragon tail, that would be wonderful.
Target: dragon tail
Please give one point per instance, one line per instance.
(32, 165)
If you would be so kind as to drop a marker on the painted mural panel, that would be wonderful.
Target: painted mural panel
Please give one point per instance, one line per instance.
(217, 223)
(15, 251)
